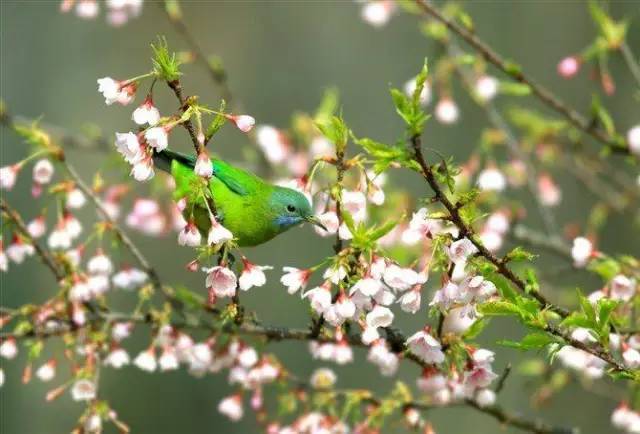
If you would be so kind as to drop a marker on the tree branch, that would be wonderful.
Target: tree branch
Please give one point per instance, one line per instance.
(543, 94)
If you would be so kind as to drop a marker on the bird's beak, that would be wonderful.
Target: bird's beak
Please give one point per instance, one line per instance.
(315, 221)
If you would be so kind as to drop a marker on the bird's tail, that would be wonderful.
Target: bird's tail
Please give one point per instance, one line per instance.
(163, 159)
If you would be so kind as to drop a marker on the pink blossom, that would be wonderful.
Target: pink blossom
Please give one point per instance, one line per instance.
(221, 280)
(367, 286)
(480, 376)
(146, 360)
(548, 191)
(581, 251)
(252, 275)
(295, 279)
(143, 170)
(43, 171)
(117, 358)
(622, 288)
(320, 298)
(18, 250)
(460, 250)
(87, 9)
(492, 179)
(8, 176)
(146, 113)
(485, 397)
(47, 371)
(129, 147)
(190, 236)
(410, 300)
(569, 66)
(633, 137)
(37, 227)
(379, 316)
(157, 137)
(345, 308)
(426, 347)
(330, 221)
(203, 167)
(100, 263)
(355, 203)
(486, 87)
(231, 407)
(446, 111)
(399, 278)
(378, 12)
(83, 390)
(273, 143)
(129, 278)
(8, 348)
(244, 123)
(168, 360)
(335, 274)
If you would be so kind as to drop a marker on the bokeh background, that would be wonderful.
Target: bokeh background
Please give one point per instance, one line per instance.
(280, 56)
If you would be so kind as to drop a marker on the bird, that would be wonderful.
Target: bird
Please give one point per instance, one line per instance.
(254, 210)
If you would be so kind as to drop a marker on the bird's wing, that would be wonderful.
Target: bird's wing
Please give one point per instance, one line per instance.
(237, 180)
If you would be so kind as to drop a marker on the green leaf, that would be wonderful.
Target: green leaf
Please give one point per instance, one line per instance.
(606, 268)
(218, 121)
(476, 328)
(336, 131)
(577, 319)
(531, 341)
(602, 115)
(514, 89)
(519, 254)
(499, 308)
(165, 65)
(328, 106)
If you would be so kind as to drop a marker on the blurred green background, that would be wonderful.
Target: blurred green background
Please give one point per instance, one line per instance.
(280, 56)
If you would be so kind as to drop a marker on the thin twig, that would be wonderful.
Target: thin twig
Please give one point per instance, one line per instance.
(631, 61)
(542, 93)
(218, 75)
(43, 253)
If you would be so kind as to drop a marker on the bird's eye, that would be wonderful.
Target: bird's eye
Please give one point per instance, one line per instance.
(291, 208)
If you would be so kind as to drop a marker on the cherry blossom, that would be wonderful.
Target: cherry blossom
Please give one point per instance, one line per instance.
(244, 123)
(252, 275)
(43, 171)
(83, 390)
(379, 316)
(231, 407)
(146, 113)
(569, 66)
(426, 347)
(157, 137)
(295, 279)
(221, 280)
(581, 251)
(190, 236)
(446, 111)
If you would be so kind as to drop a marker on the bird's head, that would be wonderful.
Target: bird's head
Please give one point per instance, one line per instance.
(291, 208)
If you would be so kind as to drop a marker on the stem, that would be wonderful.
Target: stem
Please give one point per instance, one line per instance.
(43, 253)
(631, 61)
(542, 93)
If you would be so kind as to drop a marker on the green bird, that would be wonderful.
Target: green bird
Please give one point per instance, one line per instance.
(251, 208)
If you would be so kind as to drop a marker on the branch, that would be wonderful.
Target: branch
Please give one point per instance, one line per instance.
(44, 254)
(468, 232)
(218, 76)
(276, 333)
(542, 93)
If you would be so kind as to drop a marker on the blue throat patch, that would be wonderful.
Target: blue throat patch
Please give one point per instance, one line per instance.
(286, 221)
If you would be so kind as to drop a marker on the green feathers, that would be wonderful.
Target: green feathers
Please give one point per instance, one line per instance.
(252, 209)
